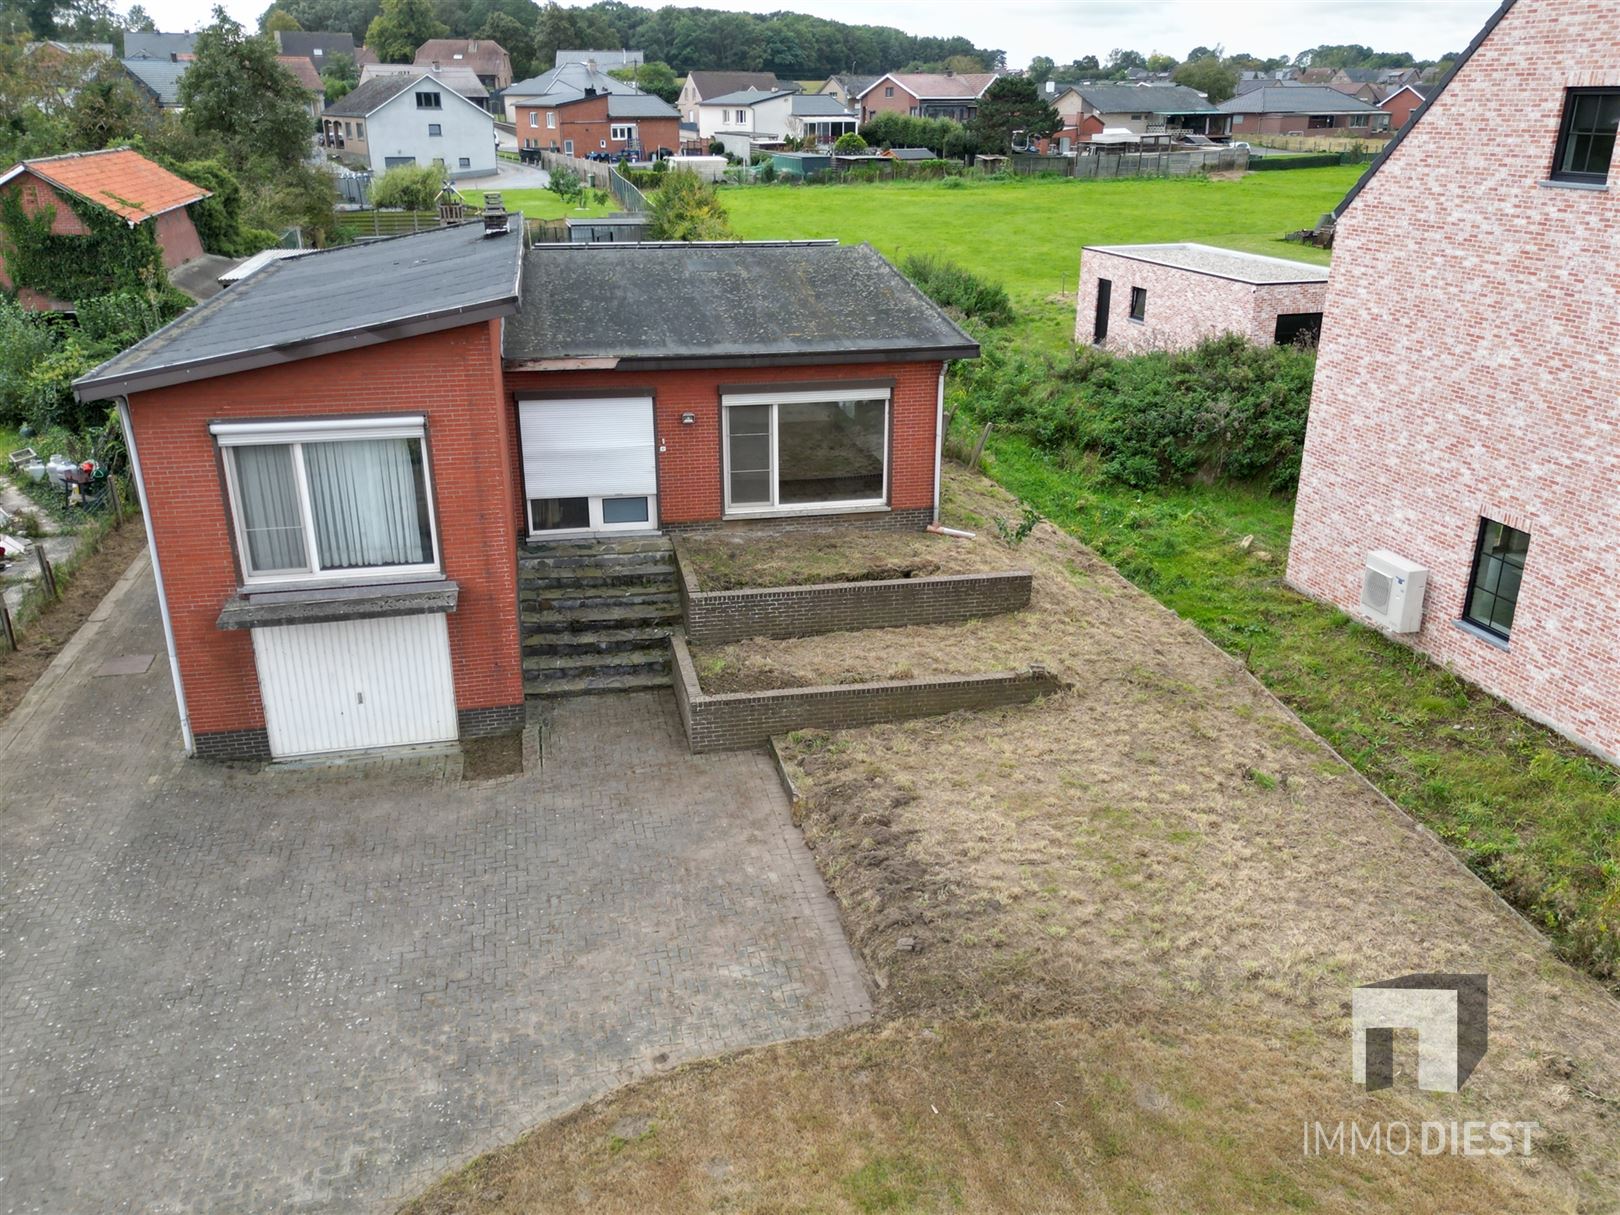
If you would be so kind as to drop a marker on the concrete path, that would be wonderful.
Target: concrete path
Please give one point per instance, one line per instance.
(314, 990)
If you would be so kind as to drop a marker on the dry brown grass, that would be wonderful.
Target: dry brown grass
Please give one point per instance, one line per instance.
(1138, 909)
(1055, 1115)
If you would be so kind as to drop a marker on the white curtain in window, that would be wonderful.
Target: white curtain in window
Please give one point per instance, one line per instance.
(363, 494)
(271, 521)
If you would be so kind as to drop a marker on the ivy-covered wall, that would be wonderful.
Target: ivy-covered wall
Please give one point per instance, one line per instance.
(108, 256)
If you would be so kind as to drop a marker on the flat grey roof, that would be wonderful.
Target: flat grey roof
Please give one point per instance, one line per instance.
(329, 300)
(724, 304)
(1222, 263)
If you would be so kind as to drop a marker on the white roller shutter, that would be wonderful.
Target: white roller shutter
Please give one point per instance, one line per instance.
(355, 685)
(589, 448)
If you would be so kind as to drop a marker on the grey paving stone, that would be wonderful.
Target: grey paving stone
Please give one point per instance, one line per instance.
(313, 990)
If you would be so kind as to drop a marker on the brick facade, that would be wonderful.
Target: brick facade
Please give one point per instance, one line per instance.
(586, 123)
(735, 721)
(1399, 106)
(689, 463)
(176, 234)
(453, 378)
(1183, 307)
(715, 617)
(1468, 369)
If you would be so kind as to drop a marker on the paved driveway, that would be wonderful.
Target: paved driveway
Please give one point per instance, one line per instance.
(315, 990)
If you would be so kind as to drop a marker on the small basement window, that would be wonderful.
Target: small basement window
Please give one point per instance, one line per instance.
(1138, 303)
(464, 162)
(329, 503)
(1586, 135)
(1298, 329)
(1493, 589)
(799, 450)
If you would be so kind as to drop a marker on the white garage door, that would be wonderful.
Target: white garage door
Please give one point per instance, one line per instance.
(589, 465)
(356, 685)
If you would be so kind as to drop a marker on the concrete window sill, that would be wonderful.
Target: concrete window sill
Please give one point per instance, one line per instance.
(1599, 187)
(1473, 630)
(333, 604)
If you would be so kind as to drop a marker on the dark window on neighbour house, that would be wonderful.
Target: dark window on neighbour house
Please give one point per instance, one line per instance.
(1586, 135)
(1138, 303)
(1493, 587)
(429, 101)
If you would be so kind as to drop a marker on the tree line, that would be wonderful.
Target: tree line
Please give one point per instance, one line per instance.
(795, 46)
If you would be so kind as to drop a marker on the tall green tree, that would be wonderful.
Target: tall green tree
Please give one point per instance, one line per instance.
(1012, 104)
(139, 19)
(659, 79)
(237, 94)
(401, 27)
(516, 38)
(686, 207)
(278, 20)
(107, 110)
(1210, 77)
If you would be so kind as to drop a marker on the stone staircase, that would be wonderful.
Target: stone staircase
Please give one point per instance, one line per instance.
(594, 614)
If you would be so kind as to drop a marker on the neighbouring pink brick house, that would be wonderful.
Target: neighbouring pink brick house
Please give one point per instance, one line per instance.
(1136, 298)
(1466, 412)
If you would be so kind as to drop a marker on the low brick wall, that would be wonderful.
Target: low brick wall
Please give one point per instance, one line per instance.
(715, 617)
(735, 721)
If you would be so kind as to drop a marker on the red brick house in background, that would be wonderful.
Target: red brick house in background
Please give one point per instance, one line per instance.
(579, 123)
(343, 457)
(1403, 103)
(118, 180)
(926, 95)
(488, 59)
(1471, 446)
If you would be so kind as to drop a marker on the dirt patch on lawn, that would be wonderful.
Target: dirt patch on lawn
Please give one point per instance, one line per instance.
(916, 1116)
(43, 637)
(1116, 935)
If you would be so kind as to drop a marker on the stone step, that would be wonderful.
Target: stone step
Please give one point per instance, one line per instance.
(596, 545)
(595, 618)
(593, 684)
(563, 599)
(549, 558)
(621, 662)
(662, 577)
(597, 641)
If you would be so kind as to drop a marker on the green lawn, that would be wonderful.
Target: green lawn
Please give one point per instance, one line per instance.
(1027, 234)
(543, 204)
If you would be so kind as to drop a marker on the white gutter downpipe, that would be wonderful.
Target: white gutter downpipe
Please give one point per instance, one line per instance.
(939, 440)
(157, 574)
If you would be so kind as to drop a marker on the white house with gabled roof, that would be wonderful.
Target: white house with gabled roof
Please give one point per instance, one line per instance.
(413, 119)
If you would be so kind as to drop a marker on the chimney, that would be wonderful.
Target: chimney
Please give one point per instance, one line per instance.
(496, 221)
(590, 65)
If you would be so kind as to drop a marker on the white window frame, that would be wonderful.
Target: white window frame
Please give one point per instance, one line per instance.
(551, 120)
(830, 396)
(534, 118)
(281, 434)
(622, 132)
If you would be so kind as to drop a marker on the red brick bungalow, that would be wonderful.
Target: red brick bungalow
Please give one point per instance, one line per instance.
(118, 180)
(578, 124)
(1477, 438)
(341, 457)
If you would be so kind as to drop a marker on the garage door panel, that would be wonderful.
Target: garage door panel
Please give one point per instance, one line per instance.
(355, 685)
(579, 449)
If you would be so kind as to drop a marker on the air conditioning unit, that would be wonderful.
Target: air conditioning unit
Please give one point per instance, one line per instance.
(1392, 591)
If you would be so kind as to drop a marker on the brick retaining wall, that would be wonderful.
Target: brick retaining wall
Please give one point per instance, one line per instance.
(735, 721)
(714, 617)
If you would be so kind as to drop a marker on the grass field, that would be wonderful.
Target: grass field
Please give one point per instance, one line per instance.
(1026, 234)
(543, 204)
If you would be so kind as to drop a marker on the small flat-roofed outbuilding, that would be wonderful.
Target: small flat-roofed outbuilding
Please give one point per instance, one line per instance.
(1137, 298)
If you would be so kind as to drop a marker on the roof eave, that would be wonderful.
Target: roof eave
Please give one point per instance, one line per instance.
(784, 358)
(91, 387)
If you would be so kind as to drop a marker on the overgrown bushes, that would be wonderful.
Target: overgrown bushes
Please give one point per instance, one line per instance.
(950, 286)
(1223, 411)
(412, 187)
(687, 208)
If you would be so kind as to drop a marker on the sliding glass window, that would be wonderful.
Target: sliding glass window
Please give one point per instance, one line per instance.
(806, 450)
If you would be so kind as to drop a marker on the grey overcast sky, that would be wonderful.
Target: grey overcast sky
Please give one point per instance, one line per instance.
(1068, 29)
